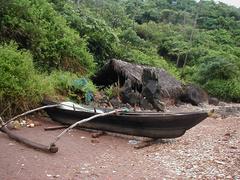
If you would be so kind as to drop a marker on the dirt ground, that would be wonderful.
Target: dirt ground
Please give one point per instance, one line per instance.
(210, 150)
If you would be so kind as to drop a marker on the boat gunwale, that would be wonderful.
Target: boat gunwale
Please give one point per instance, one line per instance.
(137, 114)
(129, 113)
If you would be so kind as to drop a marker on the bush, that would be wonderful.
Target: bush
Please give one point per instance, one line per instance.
(62, 81)
(149, 58)
(129, 36)
(112, 91)
(219, 75)
(76, 88)
(100, 38)
(227, 90)
(216, 67)
(21, 87)
(36, 26)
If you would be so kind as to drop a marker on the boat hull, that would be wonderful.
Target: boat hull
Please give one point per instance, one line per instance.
(153, 125)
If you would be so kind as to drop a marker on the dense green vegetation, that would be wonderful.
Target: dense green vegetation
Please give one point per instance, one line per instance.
(20, 84)
(44, 40)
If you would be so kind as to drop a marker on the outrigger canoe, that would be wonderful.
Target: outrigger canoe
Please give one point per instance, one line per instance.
(144, 124)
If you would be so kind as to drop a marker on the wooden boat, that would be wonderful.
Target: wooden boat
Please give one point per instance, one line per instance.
(145, 124)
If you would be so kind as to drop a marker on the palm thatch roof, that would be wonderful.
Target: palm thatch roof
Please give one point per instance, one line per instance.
(119, 71)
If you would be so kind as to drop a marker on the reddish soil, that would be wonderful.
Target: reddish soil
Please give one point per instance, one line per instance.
(210, 150)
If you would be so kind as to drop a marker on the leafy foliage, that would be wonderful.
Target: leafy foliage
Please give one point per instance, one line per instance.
(76, 88)
(70, 39)
(20, 85)
(36, 26)
(225, 89)
(112, 91)
(216, 68)
(100, 38)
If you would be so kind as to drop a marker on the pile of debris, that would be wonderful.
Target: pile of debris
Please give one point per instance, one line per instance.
(23, 122)
(147, 87)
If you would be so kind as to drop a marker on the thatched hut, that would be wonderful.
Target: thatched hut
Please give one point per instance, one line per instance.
(119, 71)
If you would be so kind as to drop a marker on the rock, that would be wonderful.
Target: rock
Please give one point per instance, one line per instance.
(118, 71)
(222, 104)
(189, 166)
(214, 101)
(94, 141)
(151, 89)
(115, 102)
(98, 134)
(233, 147)
(145, 104)
(128, 95)
(158, 105)
(194, 95)
(227, 134)
(134, 98)
(56, 176)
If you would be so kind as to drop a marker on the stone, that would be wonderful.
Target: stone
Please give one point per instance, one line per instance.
(145, 104)
(194, 95)
(151, 90)
(94, 141)
(128, 95)
(214, 101)
(115, 102)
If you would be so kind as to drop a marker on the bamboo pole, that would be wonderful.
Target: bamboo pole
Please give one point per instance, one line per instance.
(29, 112)
(52, 148)
(86, 120)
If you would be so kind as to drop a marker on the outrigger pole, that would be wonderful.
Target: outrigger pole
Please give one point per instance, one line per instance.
(46, 148)
(51, 148)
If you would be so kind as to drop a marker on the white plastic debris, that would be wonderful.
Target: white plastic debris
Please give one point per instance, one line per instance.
(77, 107)
(133, 142)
